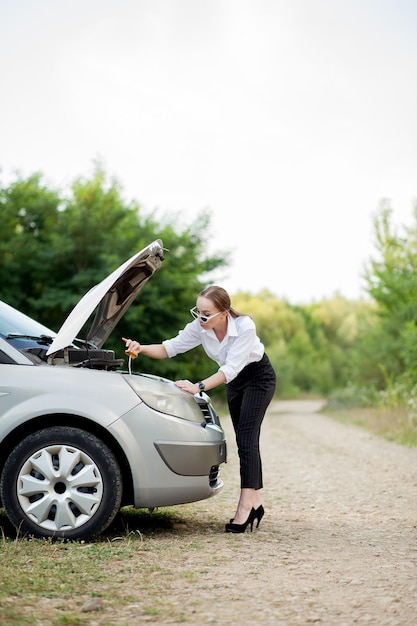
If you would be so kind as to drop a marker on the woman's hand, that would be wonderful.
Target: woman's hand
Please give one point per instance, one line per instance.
(132, 347)
(186, 385)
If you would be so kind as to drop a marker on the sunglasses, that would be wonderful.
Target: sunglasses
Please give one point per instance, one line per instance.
(203, 318)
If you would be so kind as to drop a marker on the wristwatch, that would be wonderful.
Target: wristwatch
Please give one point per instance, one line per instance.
(201, 387)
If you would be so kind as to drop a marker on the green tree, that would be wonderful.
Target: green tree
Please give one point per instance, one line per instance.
(54, 247)
(29, 212)
(392, 283)
(314, 348)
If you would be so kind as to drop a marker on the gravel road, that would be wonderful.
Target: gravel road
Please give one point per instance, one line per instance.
(337, 545)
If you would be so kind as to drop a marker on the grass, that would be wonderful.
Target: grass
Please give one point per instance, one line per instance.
(392, 424)
(49, 583)
(158, 568)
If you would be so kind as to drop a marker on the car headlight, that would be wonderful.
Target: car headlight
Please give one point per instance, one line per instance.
(162, 395)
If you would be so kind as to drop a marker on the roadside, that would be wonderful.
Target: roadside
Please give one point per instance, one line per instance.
(337, 545)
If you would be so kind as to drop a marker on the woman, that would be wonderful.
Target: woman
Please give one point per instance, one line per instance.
(229, 338)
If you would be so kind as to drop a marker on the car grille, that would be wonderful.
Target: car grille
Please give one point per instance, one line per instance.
(214, 473)
(208, 412)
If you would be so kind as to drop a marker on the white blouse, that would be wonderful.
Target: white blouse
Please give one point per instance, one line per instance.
(240, 346)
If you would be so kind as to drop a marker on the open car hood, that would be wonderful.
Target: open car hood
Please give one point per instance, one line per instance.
(112, 297)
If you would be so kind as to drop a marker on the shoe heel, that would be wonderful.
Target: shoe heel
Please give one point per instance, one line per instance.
(240, 528)
(258, 514)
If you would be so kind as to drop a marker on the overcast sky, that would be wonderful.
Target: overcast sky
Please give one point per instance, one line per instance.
(289, 120)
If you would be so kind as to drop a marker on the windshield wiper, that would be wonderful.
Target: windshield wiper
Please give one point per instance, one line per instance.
(43, 338)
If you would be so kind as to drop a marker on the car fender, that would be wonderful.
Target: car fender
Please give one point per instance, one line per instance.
(101, 397)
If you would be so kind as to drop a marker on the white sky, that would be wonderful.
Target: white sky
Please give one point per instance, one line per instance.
(289, 120)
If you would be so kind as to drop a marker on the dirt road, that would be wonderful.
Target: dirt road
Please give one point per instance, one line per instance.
(338, 543)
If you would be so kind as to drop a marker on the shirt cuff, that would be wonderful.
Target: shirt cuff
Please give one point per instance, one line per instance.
(229, 373)
(169, 348)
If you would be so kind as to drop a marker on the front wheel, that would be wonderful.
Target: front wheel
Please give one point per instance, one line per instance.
(61, 482)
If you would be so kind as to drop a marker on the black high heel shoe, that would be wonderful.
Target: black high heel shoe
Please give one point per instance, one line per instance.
(240, 528)
(258, 514)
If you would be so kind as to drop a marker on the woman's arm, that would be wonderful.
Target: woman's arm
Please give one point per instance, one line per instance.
(153, 350)
(209, 383)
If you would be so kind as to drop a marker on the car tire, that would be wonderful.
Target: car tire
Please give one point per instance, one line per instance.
(61, 482)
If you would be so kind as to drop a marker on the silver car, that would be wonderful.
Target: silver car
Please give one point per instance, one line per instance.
(80, 437)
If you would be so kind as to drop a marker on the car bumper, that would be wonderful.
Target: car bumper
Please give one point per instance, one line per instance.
(172, 461)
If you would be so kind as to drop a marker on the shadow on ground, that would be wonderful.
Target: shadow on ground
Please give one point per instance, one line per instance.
(130, 521)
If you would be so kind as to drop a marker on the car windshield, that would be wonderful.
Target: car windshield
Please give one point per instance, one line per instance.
(14, 323)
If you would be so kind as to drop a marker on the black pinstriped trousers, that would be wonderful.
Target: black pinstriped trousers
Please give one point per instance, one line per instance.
(248, 397)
